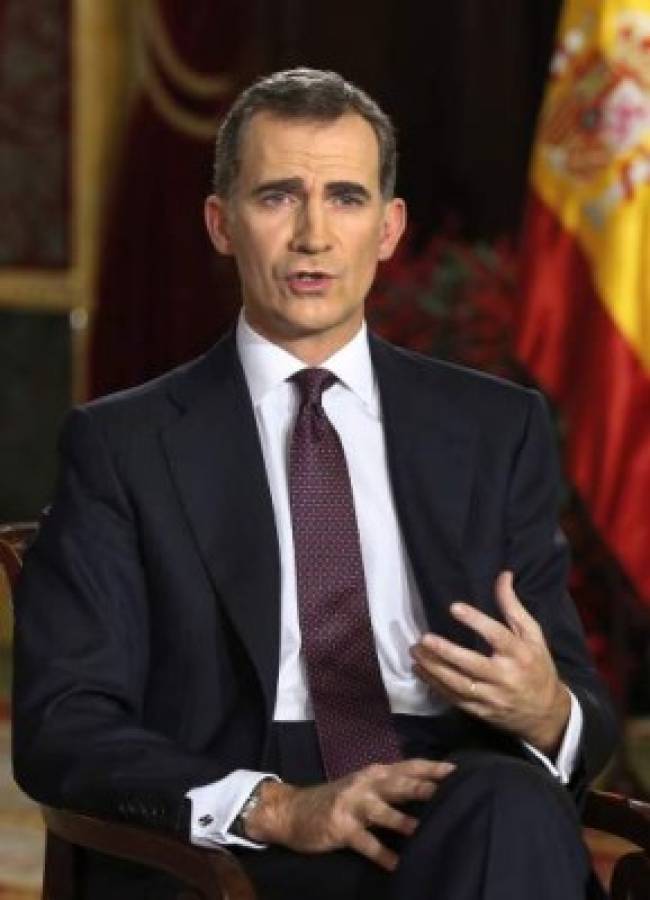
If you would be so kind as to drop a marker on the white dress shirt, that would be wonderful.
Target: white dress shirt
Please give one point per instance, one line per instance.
(396, 611)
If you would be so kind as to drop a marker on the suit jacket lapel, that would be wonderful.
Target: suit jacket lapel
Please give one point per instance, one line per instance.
(216, 462)
(431, 456)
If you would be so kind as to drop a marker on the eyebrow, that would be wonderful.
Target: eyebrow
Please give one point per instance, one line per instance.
(283, 185)
(296, 186)
(348, 187)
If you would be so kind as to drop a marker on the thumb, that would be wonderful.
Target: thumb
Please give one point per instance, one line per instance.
(516, 615)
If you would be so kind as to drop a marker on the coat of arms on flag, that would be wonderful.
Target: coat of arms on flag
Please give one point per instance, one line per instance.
(598, 112)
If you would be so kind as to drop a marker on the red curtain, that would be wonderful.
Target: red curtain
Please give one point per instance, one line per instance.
(163, 294)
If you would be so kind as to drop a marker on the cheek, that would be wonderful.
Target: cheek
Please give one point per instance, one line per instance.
(365, 259)
(365, 246)
(255, 259)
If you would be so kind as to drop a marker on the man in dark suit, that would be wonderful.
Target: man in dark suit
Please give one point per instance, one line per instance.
(174, 665)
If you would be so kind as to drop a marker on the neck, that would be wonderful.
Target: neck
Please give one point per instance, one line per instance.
(312, 349)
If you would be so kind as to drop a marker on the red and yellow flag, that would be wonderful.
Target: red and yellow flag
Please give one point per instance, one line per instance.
(584, 330)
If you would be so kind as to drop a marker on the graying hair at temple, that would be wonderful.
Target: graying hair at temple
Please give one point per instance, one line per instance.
(308, 95)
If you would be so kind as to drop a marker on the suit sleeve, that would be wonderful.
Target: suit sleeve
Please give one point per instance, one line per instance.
(537, 553)
(81, 656)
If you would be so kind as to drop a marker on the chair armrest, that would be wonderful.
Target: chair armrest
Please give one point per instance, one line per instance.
(618, 815)
(216, 874)
(14, 539)
(10, 560)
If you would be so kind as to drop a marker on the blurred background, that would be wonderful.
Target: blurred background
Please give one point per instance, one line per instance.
(524, 130)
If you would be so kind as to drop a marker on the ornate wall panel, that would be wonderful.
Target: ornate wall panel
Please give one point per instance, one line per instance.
(63, 85)
(35, 94)
(63, 74)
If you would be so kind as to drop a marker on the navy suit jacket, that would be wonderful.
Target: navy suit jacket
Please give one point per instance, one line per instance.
(147, 617)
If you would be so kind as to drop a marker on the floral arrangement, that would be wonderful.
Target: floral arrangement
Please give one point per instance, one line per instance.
(452, 299)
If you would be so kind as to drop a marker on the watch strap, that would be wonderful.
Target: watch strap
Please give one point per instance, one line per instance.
(238, 825)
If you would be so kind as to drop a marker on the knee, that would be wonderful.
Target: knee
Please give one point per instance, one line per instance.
(490, 831)
(515, 787)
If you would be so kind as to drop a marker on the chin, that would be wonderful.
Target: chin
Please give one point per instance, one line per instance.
(322, 315)
(312, 326)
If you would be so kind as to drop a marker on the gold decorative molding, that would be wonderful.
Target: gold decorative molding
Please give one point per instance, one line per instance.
(100, 92)
(194, 83)
(38, 289)
(159, 55)
(98, 48)
(202, 128)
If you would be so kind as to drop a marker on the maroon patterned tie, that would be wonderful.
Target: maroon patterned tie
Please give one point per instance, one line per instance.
(349, 698)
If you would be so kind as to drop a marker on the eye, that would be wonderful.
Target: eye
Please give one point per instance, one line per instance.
(348, 198)
(275, 199)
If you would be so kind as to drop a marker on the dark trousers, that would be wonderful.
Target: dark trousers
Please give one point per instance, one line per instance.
(499, 828)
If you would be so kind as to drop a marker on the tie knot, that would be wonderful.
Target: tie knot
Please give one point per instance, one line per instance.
(312, 383)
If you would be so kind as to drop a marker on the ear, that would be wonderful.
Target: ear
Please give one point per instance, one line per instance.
(392, 227)
(216, 221)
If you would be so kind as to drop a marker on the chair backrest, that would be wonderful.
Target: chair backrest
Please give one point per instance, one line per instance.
(15, 537)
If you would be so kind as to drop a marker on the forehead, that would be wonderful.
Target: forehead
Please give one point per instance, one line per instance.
(342, 149)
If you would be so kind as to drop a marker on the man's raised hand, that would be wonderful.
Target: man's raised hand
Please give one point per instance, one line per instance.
(515, 688)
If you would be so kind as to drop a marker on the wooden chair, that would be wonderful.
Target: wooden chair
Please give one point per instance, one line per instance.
(217, 874)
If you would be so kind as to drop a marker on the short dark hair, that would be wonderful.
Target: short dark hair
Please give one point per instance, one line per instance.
(301, 94)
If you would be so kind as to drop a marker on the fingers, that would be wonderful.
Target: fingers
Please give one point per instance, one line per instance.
(497, 635)
(403, 789)
(459, 675)
(504, 583)
(514, 612)
(519, 622)
(413, 779)
(455, 687)
(369, 846)
(342, 813)
(475, 666)
(382, 815)
(423, 768)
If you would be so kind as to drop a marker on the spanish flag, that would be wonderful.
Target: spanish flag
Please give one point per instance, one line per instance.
(584, 326)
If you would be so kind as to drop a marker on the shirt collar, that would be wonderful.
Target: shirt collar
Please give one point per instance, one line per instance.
(266, 365)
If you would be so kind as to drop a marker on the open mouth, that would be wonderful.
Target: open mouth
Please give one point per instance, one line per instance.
(304, 281)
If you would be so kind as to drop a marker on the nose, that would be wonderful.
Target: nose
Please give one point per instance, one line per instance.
(310, 231)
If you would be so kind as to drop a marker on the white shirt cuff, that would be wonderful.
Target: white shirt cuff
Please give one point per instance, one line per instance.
(567, 757)
(215, 806)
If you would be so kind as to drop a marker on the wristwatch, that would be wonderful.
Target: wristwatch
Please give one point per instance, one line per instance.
(238, 826)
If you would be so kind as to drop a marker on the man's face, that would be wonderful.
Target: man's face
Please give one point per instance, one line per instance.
(306, 224)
